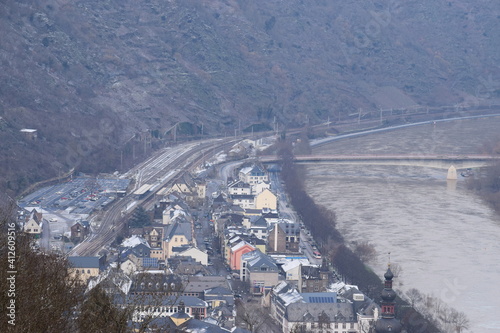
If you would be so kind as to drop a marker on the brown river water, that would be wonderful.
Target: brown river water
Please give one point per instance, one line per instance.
(445, 239)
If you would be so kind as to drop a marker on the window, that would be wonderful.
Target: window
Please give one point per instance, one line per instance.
(88, 271)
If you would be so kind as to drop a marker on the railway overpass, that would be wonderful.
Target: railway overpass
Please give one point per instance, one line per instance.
(429, 161)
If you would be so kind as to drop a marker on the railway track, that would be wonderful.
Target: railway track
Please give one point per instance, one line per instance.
(181, 159)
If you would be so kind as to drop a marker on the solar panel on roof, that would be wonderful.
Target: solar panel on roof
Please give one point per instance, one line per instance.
(150, 262)
(321, 299)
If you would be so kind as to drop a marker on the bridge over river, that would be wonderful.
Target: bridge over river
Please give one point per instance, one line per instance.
(430, 161)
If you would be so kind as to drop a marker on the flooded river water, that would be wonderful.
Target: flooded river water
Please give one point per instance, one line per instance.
(445, 239)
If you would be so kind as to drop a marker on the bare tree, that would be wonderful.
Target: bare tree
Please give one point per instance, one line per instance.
(251, 316)
(365, 251)
(459, 320)
(43, 295)
(99, 314)
(414, 296)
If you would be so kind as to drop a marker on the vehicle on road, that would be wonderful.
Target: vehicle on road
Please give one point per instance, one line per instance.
(317, 255)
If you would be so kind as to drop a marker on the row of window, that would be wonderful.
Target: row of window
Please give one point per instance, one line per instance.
(328, 325)
(83, 271)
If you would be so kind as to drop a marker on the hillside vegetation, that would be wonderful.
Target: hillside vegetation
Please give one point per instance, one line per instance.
(104, 82)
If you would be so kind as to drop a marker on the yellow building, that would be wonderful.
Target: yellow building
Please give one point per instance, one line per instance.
(266, 199)
(85, 267)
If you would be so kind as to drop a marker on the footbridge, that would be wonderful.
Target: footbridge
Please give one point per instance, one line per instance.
(429, 161)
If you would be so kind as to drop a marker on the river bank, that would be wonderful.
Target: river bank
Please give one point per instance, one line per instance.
(443, 236)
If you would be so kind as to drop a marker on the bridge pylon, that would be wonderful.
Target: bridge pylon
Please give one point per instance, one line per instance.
(452, 173)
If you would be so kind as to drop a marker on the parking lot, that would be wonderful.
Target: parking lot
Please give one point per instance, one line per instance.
(81, 195)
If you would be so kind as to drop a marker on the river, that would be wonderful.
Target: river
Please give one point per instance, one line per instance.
(445, 239)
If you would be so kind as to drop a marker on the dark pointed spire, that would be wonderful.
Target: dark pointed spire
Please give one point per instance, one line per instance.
(388, 322)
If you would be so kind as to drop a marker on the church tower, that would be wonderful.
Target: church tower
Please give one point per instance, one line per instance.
(388, 323)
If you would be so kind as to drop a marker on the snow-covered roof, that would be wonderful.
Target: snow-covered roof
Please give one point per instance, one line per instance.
(239, 246)
(291, 264)
(246, 170)
(291, 296)
(134, 241)
(119, 279)
(339, 287)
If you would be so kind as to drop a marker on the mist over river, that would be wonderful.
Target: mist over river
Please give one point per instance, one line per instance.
(446, 240)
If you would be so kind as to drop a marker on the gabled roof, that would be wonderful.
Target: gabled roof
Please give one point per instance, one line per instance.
(219, 290)
(239, 184)
(178, 229)
(201, 283)
(310, 272)
(270, 214)
(84, 262)
(240, 245)
(134, 241)
(287, 293)
(258, 221)
(291, 264)
(256, 260)
(160, 283)
(336, 312)
(111, 279)
(195, 325)
(246, 170)
(170, 300)
(324, 297)
(220, 199)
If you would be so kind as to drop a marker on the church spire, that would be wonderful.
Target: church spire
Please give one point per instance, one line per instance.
(388, 322)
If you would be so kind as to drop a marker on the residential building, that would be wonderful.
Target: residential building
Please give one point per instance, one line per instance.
(313, 279)
(284, 237)
(239, 187)
(33, 224)
(86, 267)
(253, 175)
(176, 235)
(217, 296)
(243, 200)
(236, 252)
(196, 285)
(259, 270)
(79, 231)
(311, 312)
(256, 225)
(266, 199)
(260, 187)
(150, 306)
(191, 251)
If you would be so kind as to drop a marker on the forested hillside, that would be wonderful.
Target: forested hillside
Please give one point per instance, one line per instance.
(103, 82)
